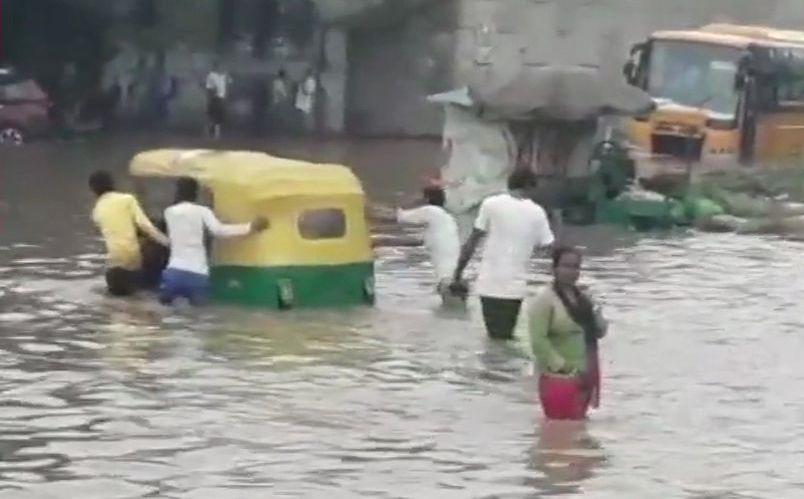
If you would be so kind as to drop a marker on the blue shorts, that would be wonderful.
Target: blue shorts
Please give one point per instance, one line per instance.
(183, 284)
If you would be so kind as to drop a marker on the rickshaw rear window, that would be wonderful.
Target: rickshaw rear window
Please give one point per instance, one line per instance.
(327, 223)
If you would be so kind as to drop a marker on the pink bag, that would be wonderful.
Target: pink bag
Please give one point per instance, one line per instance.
(563, 397)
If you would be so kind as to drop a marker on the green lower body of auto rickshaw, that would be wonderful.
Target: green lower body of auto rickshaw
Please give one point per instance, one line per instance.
(286, 287)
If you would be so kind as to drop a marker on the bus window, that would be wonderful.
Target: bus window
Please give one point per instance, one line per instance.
(329, 223)
(791, 92)
(783, 87)
(694, 74)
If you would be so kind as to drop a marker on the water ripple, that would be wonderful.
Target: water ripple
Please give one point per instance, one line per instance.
(703, 384)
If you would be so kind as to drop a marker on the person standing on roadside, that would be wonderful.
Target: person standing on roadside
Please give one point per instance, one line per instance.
(217, 86)
(280, 101)
(306, 100)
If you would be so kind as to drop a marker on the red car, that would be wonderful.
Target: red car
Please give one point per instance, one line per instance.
(24, 108)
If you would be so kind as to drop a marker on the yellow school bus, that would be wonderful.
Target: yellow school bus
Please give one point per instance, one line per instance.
(725, 94)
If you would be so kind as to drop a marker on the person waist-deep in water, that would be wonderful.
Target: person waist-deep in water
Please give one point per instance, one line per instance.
(187, 272)
(118, 216)
(440, 238)
(565, 325)
(513, 226)
(154, 258)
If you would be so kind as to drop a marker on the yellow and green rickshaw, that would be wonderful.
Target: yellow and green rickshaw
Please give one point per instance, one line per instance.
(316, 251)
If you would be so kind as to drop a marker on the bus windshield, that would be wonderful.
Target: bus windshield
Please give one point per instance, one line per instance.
(694, 74)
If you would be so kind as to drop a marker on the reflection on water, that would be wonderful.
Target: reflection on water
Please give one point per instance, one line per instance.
(101, 398)
(564, 457)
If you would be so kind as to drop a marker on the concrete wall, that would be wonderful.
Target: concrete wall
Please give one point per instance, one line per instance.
(376, 78)
(394, 69)
(334, 81)
(592, 32)
(187, 32)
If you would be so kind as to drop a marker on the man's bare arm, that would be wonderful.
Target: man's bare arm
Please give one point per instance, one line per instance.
(467, 252)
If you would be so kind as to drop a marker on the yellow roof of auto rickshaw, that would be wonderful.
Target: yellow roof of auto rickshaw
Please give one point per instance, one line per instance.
(259, 175)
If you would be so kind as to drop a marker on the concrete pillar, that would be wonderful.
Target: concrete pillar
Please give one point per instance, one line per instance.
(333, 81)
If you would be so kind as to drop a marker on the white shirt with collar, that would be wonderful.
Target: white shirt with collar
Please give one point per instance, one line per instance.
(514, 227)
(185, 226)
(440, 237)
(218, 82)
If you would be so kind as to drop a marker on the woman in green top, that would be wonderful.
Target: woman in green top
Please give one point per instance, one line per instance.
(565, 326)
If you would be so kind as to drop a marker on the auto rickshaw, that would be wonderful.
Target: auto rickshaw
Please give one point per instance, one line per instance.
(316, 251)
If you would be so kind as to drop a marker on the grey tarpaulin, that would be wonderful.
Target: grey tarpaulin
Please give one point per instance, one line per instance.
(554, 93)
(481, 155)
(543, 118)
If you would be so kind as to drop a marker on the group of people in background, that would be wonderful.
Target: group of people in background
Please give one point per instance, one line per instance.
(564, 321)
(278, 103)
(288, 101)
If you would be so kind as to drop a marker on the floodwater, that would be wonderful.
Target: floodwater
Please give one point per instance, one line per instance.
(703, 390)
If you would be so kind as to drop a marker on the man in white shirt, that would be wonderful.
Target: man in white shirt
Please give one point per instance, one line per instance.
(440, 238)
(305, 100)
(281, 102)
(187, 272)
(514, 226)
(279, 89)
(217, 85)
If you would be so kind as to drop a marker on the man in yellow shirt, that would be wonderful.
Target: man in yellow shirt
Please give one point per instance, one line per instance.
(118, 216)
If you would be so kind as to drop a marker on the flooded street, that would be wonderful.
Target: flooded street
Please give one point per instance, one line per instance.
(703, 390)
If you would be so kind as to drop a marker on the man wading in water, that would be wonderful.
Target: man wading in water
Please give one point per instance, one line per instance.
(187, 272)
(513, 226)
(440, 238)
(118, 216)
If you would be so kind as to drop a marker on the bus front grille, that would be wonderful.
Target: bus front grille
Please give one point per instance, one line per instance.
(685, 148)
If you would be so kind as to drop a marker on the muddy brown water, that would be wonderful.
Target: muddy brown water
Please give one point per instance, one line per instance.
(703, 389)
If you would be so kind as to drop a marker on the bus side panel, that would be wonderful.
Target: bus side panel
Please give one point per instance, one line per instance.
(780, 135)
